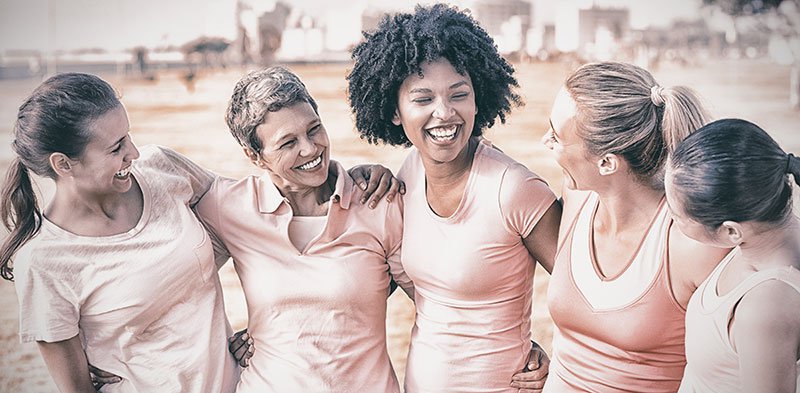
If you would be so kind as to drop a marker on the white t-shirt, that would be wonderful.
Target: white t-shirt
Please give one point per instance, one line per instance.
(147, 303)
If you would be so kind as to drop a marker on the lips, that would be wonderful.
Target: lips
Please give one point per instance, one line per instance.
(123, 174)
(444, 133)
(313, 164)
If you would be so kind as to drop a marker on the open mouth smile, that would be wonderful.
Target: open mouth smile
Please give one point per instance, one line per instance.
(313, 164)
(123, 174)
(444, 133)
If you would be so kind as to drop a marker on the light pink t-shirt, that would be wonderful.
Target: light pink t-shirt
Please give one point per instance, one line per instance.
(147, 302)
(472, 275)
(318, 315)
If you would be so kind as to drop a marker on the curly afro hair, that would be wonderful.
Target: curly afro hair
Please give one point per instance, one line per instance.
(399, 47)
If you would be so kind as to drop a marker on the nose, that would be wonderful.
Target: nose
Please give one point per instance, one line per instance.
(443, 110)
(307, 147)
(547, 139)
(133, 151)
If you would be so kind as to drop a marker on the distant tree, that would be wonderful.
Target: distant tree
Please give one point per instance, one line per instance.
(778, 18)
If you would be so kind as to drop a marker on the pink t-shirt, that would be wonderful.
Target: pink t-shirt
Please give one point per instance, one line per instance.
(318, 315)
(147, 302)
(472, 275)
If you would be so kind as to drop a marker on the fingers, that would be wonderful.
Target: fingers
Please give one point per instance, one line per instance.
(103, 377)
(359, 175)
(240, 345)
(384, 182)
(533, 383)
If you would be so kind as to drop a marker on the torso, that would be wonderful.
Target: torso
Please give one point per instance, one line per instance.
(628, 322)
(317, 313)
(140, 293)
(473, 282)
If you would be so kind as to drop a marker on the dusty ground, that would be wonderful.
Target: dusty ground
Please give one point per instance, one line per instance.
(165, 112)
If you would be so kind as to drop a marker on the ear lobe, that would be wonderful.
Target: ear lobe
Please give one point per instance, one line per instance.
(396, 118)
(608, 165)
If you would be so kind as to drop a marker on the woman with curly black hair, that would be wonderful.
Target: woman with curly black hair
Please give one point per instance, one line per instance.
(475, 221)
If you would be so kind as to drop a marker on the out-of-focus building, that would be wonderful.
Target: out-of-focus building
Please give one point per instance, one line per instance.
(601, 31)
(507, 21)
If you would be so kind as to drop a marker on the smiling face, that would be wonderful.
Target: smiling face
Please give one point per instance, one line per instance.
(104, 166)
(562, 138)
(437, 111)
(295, 147)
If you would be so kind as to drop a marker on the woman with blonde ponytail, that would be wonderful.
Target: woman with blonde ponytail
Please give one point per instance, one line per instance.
(727, 185)
(623, 273)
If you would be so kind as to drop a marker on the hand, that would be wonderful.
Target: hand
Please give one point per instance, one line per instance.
(101, 378)
(532, 378)
(376, 181)
(241, 347)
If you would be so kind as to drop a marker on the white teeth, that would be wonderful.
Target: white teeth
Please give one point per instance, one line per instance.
(311, 164)
(123, 173)
(443, 133)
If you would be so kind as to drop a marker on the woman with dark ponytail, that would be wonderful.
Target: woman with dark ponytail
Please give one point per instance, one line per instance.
(623, 273)
(728, 185)
(116, 271)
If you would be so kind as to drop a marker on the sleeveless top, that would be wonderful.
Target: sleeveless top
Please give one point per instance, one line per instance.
(615, 334)
(712, 364)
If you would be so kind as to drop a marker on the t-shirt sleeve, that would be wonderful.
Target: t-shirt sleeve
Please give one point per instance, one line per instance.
(524, 198)
(50, 309)
(199, 178)
(207, 210)
(394, 230)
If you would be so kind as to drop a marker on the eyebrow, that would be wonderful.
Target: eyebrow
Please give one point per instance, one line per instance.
(308, 125)
(426, 90)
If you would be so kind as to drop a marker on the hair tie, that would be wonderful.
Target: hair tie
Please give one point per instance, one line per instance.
(789, 158)
(655, 95)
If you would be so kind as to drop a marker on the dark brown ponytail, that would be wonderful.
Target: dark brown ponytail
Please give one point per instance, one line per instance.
(20, 214)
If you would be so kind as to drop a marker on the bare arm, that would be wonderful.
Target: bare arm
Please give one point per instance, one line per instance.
(543, 239)
(67, 364)
(765, 332)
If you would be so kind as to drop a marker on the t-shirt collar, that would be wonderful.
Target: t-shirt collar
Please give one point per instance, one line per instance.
(269, 198)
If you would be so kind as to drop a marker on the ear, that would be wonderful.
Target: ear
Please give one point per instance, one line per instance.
(61, 164)
(732, 231)
(608, 165)
(396, 118)
(254, 157)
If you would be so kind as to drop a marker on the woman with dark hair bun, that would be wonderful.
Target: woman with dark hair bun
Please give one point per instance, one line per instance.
(475, 221)
(728, 186)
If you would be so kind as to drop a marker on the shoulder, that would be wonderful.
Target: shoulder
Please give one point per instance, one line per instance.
(411, 166)
(693, 261)
(770, 307)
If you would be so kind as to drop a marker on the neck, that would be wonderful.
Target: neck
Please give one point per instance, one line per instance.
(777, 245)
(626, 205)
(70, 204)
(447, 174)
(309, 201)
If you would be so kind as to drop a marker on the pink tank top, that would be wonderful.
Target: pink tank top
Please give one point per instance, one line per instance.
(615, 334)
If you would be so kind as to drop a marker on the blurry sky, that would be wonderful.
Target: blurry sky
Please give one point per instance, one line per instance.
(120, 24)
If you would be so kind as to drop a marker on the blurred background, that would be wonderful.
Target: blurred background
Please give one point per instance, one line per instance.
(175, 64)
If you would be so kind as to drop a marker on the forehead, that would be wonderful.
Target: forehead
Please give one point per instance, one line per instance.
(435, 74)
(109, 127)
(287, 120)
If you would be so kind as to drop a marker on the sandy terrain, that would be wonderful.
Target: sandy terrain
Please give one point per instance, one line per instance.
(165, 112)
